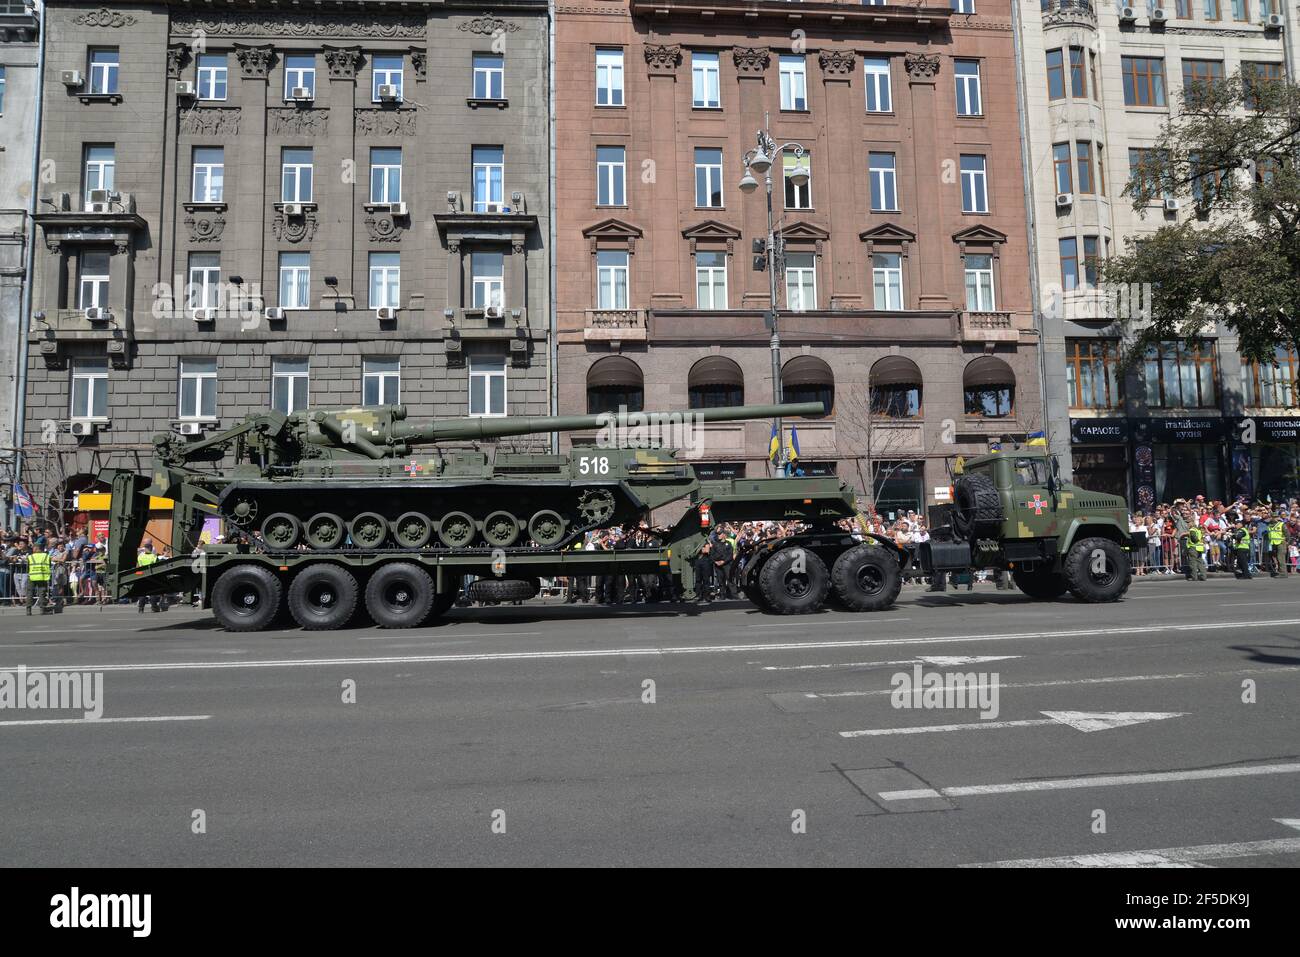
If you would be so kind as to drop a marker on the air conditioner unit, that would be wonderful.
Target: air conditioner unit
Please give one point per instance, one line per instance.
(384, 313)
(71, 78)
(273, 313)
(82, 428)
(185, 88)
(1273, 21)
(1158, 15)
(1064, 199)
(1171, 204)
(97, 314)
(389, 92)
(100, 197)
(1127, 14)
(99, 208)
(397, 209)
(493, 312)
(293, 209)
(203, 315)
(301, 93)
(189, 428)
(493, 207)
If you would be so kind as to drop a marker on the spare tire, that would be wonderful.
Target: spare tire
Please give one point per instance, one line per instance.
(976, 506)
(503, 589)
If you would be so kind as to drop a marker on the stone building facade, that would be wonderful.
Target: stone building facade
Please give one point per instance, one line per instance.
(1099, 82)
(284, 207)
(904, 293)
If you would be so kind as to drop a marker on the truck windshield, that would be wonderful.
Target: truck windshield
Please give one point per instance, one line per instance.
(1030, 471)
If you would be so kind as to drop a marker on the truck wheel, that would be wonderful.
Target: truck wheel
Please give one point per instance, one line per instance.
(323, 597)
(399, 595)
(1041, 584)
(794, 581)
(503, 589)
(755, 595)
(247, 598)
(1097, 570)
(442, 604)
(866, 578)
(976, 508)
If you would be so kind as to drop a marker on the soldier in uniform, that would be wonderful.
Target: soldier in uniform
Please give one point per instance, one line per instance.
(144, 560)
(1195, 545)
(1275, 546)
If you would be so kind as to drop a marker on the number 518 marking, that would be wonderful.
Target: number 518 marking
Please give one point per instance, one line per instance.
(598, 465)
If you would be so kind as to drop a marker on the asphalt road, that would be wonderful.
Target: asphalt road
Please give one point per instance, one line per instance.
(1120, 737)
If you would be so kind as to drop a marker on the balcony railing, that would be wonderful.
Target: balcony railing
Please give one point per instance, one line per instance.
(1068, 11)
(988, 327)
(610, 325)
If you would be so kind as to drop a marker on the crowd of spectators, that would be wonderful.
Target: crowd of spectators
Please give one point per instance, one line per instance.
(76, 566)
(1267, 534)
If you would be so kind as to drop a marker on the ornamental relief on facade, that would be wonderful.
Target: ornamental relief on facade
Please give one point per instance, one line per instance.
(315, 26)
(178, 56)
(294, 121)
(210, 121)
(385, 122)
(751, 61)
(836, 62)
(254, 62)
(382, 229)
(103, 17)
(663, 57)
(342, 62)
(205, 229)
(296, 230)
(921, 66)
(488, 26)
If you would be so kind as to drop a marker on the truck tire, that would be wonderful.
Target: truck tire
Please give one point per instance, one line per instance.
(442, 604)
(503, 589)
(323, 597)
(247, 598)
(789, 591)
(866, 578)
(755, 595)
(976, 506)
(1097, 570)
(399, 595)
(1040, 584)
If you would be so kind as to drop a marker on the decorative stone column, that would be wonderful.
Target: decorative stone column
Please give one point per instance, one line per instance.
(843, 155)
(662, 61)
(751, 71)
(927, 172)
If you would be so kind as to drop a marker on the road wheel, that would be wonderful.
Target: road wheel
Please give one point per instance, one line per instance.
(399, 595)
(1097, 570)
(976, 508)
(456, 530)
(412, 530)
(794, 581)
(368, 530)
(500, 529)
(503, 589)
(1040, 583)
(324, 530)
(281, 530)
(247, 598)
(866, 578)
(546, 528)
(323, 597)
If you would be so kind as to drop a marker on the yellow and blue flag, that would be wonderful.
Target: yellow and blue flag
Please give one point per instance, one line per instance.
(1037, 438)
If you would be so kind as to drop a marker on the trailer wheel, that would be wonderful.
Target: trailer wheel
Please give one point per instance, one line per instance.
(247, 598)
(793, 581)
(323, 597)
(866, 578)
(503, 589)
(1097, 570)
(399, 595)
(1040, 584)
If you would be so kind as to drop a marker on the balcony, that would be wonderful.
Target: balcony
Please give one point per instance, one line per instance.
(614, 326)
(1069, 13)
(988, 327)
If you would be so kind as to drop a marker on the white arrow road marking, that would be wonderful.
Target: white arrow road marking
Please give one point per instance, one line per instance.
(1079, 720)
(939, 661)
(1293, 822)
(1095, 781)
(163, 717)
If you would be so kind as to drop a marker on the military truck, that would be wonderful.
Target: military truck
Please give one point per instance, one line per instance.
(1011, 511)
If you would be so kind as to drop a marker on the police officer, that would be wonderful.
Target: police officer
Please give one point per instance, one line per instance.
(144, 560)
(38, 578)
(1241, 548)
(1195, 553)
(1275, 546)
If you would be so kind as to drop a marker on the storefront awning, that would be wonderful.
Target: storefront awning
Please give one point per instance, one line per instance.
(987, 371)
(614, 371)
(807, 370)
(895, 370)
(715, 370)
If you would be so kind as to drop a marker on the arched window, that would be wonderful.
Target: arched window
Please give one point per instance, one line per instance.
(990, 388)
(716, 382)
(896, 388)
(808, 379)
(612, 382)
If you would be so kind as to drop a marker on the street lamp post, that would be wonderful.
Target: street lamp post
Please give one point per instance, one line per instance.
(760, 160)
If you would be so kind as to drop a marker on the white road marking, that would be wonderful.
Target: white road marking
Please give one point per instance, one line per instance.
(1160, 857)
(403, 633)
(940, 661)
(1243, 604)
(1094, 781)
(1086, 721)
(796, 624)
(165, 717)
(681, 650)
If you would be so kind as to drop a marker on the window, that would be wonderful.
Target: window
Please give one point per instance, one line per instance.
(489, 76)
(1258, 73)
(103, 71)
(385, 280)
(1240, 10)
(295, 280)
(794, 83)
(989, 388)
(704, 80)
(381, 381)
(1061, 163)
(1101, 170)
(1091, 258)
(204, 288)
(489, 175)
(386, 71)
(708, 177)
(2, 90)
(1199, 78)
(887, 280)
(299, 74)
(974, 185)
(100, 166)
(715, 382)
(209, 174)
(1144, 80)
(1183, 9)
(1267, 169)
(1092, 73)
(295, 174)
(896, 400)
(979, 284)
(967, 74)
(1211, 8)
(1092, 373)
(1144, 167)
(289, 385)
(385, 174)
(89, 389)
(797, 197)
(1078, 78)
(963, 6)
(615, 383)
(212, 76)
(198, 389)
(1083, 153)
(879, 99)
(611, 176)
(711, 280)
(1205, 180)
(1055, 75)
(1179, 375)
(611, 279)
(487, 273)
(800, 282)
(609, 77)
(884, 184)
(1271, 385)
(487, 385)
(807, 378)
(92, 280)
(1069, 250)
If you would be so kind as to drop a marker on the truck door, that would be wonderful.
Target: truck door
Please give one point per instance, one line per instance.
(1035, 514)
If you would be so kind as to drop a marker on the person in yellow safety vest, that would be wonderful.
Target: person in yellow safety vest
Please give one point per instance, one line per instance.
(38, 579)
(1196, 553)
(1241, 545)
(146, 558)
(1276, 547)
